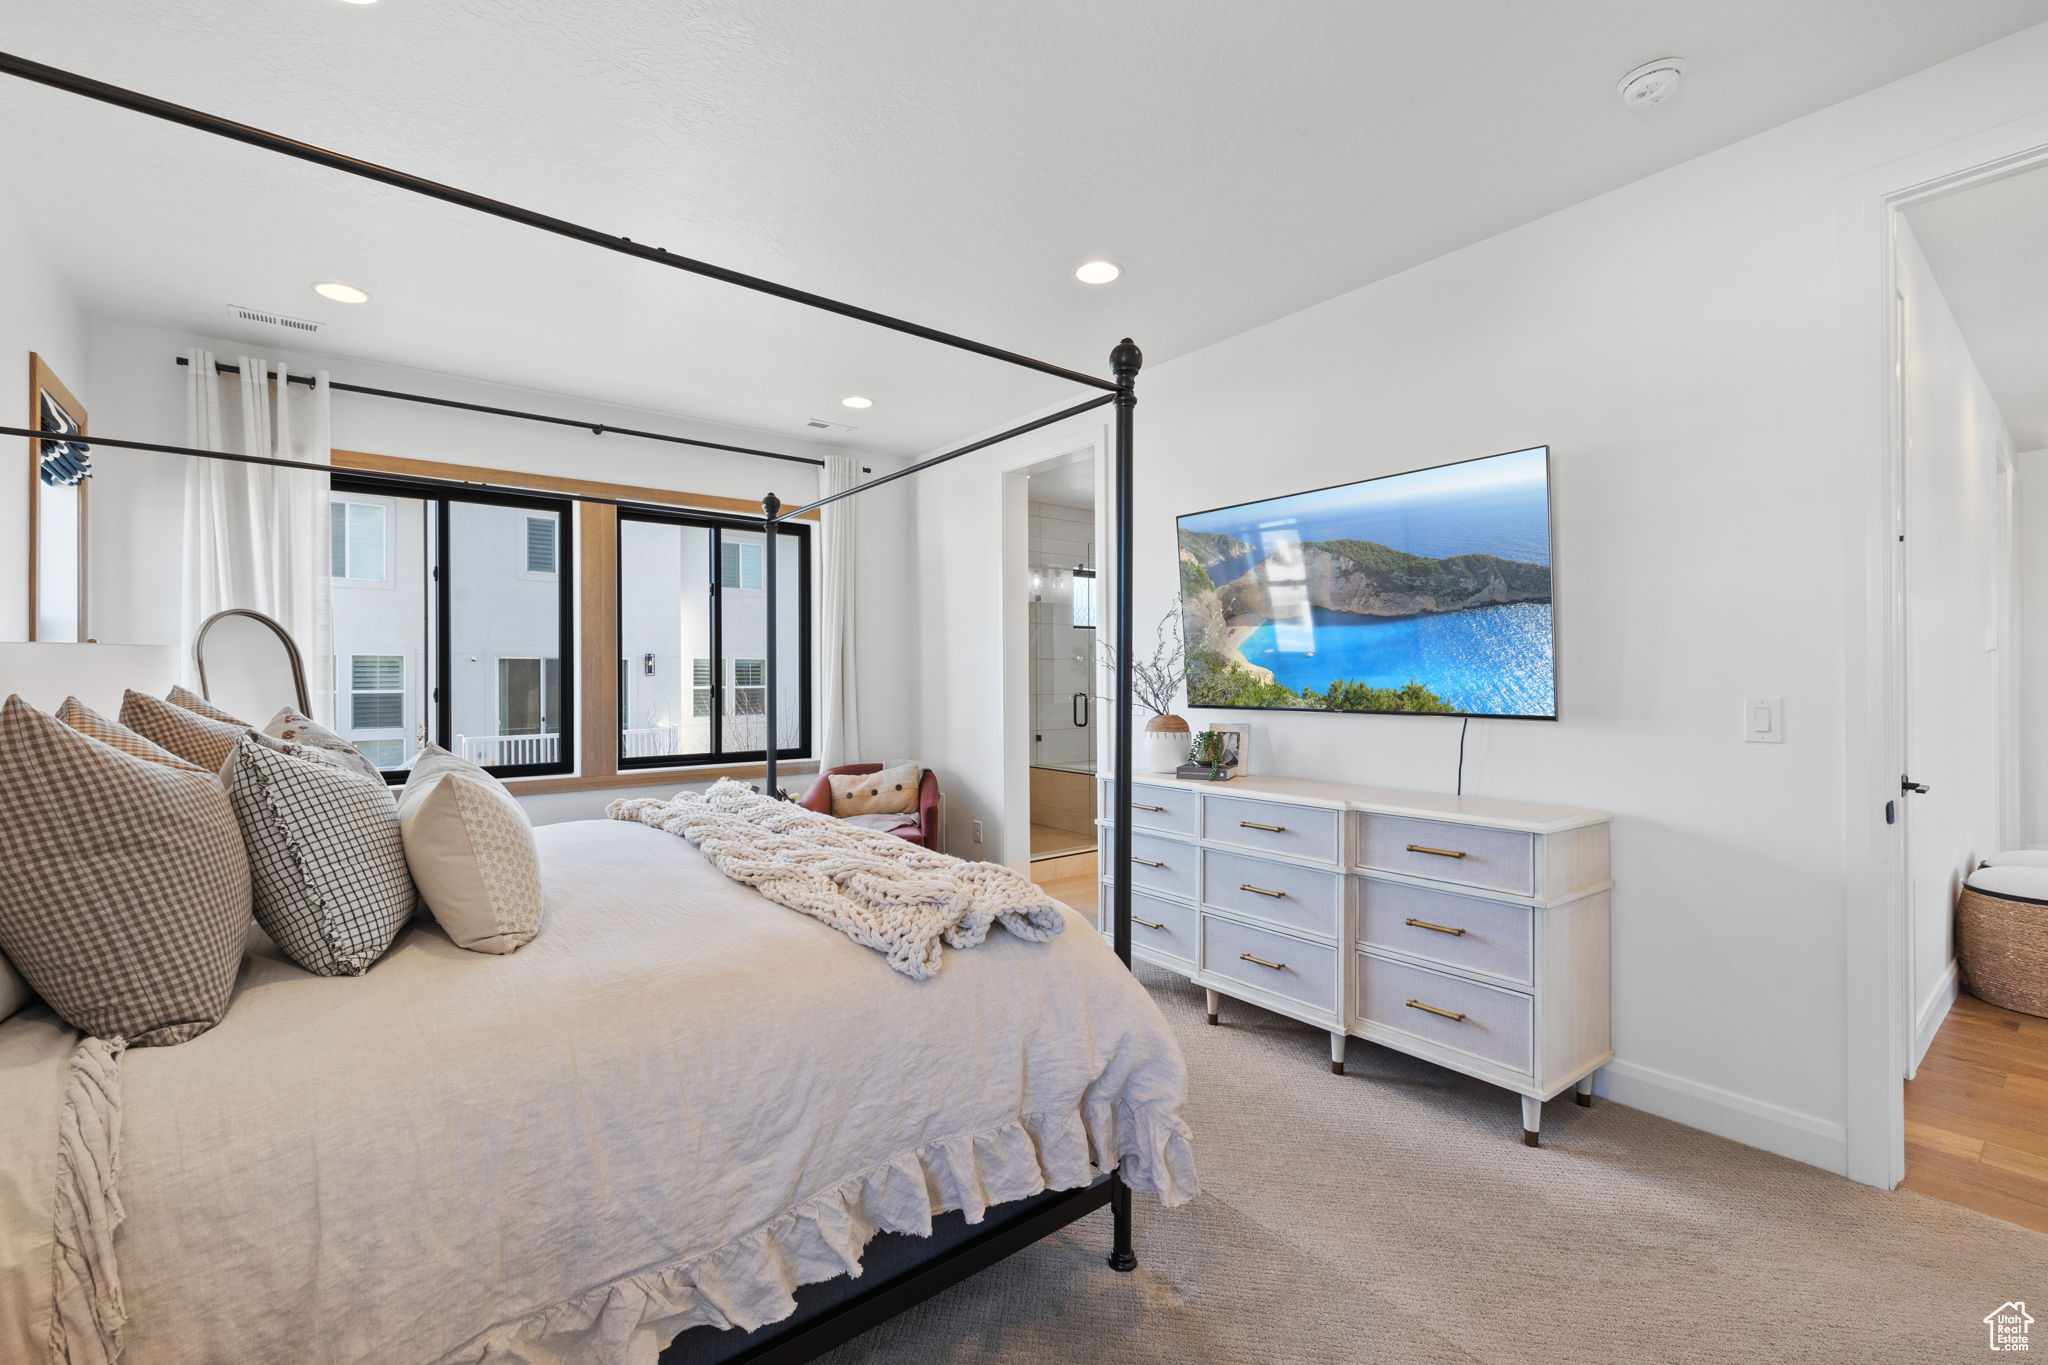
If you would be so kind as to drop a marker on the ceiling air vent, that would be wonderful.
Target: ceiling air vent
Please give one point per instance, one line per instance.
(820, 424)
(241, 314)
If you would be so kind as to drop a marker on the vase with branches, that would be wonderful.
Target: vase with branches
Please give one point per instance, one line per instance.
(1155, 683)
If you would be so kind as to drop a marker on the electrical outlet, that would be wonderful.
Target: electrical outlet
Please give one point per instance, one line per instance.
(977, 831)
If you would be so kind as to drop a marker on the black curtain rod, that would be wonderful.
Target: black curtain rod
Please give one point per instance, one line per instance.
(561, 227)
(426, 481)
(923, 465)
(596, 428)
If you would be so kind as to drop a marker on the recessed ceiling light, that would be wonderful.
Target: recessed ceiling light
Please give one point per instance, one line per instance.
(361, 2)
(1098, 272)
(340, 293)
(856, 401)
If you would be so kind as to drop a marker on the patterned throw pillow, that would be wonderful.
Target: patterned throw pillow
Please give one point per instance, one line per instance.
(324, 852)
(191, 736)
(198, 705)
(471, 850)
(289, 724)
(87, 721)
(125, 902)
(888, 792)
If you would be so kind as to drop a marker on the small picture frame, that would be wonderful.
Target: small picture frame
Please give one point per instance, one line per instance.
(1236, 749)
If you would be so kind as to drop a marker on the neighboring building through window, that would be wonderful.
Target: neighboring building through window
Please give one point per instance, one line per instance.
(540, 544)
(740, 565)
(700, 687)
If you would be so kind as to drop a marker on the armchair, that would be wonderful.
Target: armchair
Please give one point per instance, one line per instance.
(925, 833)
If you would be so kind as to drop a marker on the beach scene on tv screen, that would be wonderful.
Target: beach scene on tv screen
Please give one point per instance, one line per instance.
(1421, 592)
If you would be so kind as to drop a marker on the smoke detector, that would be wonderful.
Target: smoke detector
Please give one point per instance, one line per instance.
(1651, 83)
(271, 319)
(820, 424)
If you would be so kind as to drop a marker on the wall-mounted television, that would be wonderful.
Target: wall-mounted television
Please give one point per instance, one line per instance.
(1426, 592)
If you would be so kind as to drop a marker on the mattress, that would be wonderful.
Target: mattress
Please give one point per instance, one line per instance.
(675, 1106)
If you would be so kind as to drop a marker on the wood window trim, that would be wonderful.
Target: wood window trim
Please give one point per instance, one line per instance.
(43, 380)
(596, 552)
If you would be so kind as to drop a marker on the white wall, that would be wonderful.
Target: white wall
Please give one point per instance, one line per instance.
(1958, 457)
(139, 393)
(2033, 642)
(1677, 344)
(37, 313)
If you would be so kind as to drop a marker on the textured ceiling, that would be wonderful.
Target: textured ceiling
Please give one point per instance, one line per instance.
(948, 162)
(1984, 246)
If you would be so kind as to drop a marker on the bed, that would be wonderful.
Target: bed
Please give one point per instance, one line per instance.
(674, 1107)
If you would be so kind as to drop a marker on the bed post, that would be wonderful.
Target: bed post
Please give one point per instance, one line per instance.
(771, 508)
(1124, 361)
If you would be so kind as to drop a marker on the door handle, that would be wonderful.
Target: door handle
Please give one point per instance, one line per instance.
(1907, 784)
(1079, 704)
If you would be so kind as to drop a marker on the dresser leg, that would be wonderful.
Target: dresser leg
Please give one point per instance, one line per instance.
(1214, 1001)
(1337, 1042)
(1585, 1095)
(1532, 1119)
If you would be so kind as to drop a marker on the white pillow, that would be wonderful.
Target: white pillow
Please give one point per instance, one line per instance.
(471, 850)
(325, 858)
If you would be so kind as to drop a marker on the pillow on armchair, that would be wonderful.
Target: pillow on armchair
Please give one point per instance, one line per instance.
(892, 791)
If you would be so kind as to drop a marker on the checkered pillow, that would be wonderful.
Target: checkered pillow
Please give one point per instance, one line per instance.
(191, 736)
(125, 900)
(198, 705)
(331, 884)
(87, 721)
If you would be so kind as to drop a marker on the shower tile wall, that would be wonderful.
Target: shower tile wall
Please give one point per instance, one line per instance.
(1062, 655)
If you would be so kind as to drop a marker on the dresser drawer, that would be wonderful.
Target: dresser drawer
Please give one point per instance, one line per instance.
(1163, 865)
(1469, 855)
(1460, 931)
(1286, 893)
(1303, 972)
(1487, 1022)
(1271, 827)
(1170, 810)
(1162, 927)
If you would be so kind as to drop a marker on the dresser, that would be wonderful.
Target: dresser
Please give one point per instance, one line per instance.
(1466, 931)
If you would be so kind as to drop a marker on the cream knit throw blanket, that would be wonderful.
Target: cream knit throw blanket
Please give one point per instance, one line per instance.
(906, 902)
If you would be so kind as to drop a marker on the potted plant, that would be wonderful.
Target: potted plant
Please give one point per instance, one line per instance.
(1207, 752)
(1155, 682)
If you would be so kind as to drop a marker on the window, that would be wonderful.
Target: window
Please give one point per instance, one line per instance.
(540, 544)
(740, 565)
(1084, 599)
(700, 687)
(472, 646)
(692, 595)
(376, 692)
(356, 538)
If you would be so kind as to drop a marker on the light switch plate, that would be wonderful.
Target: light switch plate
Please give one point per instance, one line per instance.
(1763, 720)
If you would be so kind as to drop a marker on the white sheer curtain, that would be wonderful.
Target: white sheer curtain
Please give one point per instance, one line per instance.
(838, 534)
(255, 536)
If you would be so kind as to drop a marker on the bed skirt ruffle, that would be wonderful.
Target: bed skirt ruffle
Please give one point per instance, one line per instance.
(752, 1280)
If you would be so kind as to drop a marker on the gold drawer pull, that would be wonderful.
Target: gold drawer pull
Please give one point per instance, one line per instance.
(1140, 805)
(1261, 891)
(1270, 829)
(1146, 922)
(1439, 852)
(1438, 928)
(1146, 861)
(1276, 966)
(1418, 1005)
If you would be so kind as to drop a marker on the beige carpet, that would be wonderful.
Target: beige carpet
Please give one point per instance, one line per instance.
(1393, 1215)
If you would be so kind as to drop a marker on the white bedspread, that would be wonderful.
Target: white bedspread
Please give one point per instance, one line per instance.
(673, 1107)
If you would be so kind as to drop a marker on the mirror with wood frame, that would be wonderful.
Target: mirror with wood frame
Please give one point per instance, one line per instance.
(59, 487)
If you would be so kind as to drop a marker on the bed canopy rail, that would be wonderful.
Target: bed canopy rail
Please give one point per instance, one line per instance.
(1125, 360)
(594, 428)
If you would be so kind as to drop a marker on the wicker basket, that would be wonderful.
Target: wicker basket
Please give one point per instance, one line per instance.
(2002, 948)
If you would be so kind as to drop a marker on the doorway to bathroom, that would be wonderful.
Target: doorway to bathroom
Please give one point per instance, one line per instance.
(1064, 707)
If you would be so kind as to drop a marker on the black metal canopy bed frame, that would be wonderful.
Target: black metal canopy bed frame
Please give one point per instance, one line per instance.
(899, 1271)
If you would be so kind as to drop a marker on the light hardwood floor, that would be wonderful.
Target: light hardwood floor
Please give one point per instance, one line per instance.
(1977, 1114)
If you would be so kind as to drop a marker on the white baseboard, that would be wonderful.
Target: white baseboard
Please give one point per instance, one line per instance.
(1927, 1019)
(1754, 1123)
